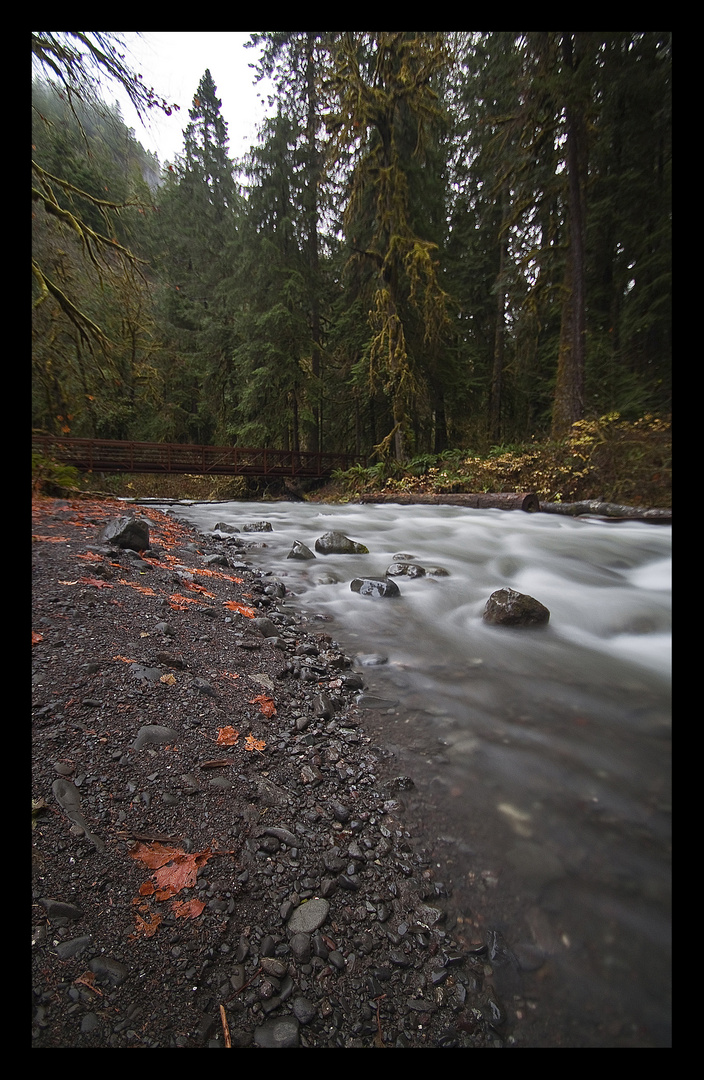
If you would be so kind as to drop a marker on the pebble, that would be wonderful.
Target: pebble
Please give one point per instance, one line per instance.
(281, 1031)
(303, 1010)
(309, 916)
(154, 733)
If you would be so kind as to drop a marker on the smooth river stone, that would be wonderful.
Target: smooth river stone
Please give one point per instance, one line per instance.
(309, 917)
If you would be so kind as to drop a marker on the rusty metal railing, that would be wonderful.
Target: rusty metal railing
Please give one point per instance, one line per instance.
(115, 456)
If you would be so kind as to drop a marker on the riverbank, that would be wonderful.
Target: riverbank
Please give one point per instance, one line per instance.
(222, 854)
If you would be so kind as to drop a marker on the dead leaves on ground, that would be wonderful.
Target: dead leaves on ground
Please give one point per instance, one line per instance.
(174, 870)
(234, 605)
(227, 736)
(266, 704)
(180, 603)
(144, 589)
(250, 743)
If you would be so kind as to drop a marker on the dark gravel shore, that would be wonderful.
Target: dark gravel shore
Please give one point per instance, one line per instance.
(222, 853)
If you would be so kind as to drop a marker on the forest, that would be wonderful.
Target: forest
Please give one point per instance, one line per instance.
(440, 241)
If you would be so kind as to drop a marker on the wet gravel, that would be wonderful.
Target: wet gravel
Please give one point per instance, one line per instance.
(222, 854)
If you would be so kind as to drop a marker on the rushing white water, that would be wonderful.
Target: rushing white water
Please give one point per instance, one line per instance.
(548, 749)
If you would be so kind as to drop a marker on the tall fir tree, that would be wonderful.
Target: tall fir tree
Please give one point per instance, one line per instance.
(198, 222)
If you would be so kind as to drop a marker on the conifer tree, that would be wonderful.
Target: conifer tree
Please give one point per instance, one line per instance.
(199, 213)
(383, 86)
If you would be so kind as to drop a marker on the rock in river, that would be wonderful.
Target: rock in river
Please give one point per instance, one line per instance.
(300, 551)
(374, 587)
(336, 543)
(506, 607)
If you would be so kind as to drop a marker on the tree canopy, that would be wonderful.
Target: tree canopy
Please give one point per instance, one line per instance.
(439, 239)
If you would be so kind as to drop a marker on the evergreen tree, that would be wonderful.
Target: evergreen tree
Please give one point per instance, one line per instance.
(195, 241)
(383, 85)
(298, 63)
(268, 396)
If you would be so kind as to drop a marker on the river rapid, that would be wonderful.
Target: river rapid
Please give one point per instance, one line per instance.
(543, 753)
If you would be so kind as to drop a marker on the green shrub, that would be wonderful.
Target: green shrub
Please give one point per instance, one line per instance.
(49, 476)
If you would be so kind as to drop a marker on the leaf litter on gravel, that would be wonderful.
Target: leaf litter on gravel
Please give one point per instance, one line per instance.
(174, 870)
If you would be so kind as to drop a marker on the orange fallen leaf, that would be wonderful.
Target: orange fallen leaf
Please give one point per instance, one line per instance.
(90, 556)
(155, 855)
(174, 869)
(182, 872)
(227, 736)
(169, 679)
(178, 602)
(187, 909)
(125, 659)
(36, 637)
(146, 927)
(194, 587)
(230, 674)
(265, 703)
(99, 584)
(140, 588)
(234, 605)
(251, 743)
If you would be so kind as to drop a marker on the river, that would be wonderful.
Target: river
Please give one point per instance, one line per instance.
(544, 753)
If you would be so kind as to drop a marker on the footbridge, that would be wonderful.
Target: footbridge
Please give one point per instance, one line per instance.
(117, 456)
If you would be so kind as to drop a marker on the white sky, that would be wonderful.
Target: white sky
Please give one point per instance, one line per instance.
(173, 63)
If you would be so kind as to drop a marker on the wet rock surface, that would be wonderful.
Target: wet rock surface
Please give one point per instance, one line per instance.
(222, 852)
(507, 607)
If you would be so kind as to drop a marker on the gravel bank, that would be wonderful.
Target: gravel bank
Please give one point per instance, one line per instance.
(222, 855)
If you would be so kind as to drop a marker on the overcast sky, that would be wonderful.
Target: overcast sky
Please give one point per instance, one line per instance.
(173, 63)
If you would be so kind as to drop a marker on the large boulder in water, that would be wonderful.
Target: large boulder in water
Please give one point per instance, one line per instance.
(506, 607)
(336, 543)
(126, 532)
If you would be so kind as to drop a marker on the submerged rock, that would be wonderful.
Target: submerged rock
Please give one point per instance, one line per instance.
(257, 526)
(506, 607)
(336, 543)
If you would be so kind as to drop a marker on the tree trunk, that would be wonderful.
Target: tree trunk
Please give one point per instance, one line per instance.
(311, 196)
(614, 511)
(512, 500)
(498, 369)
(569, 387)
